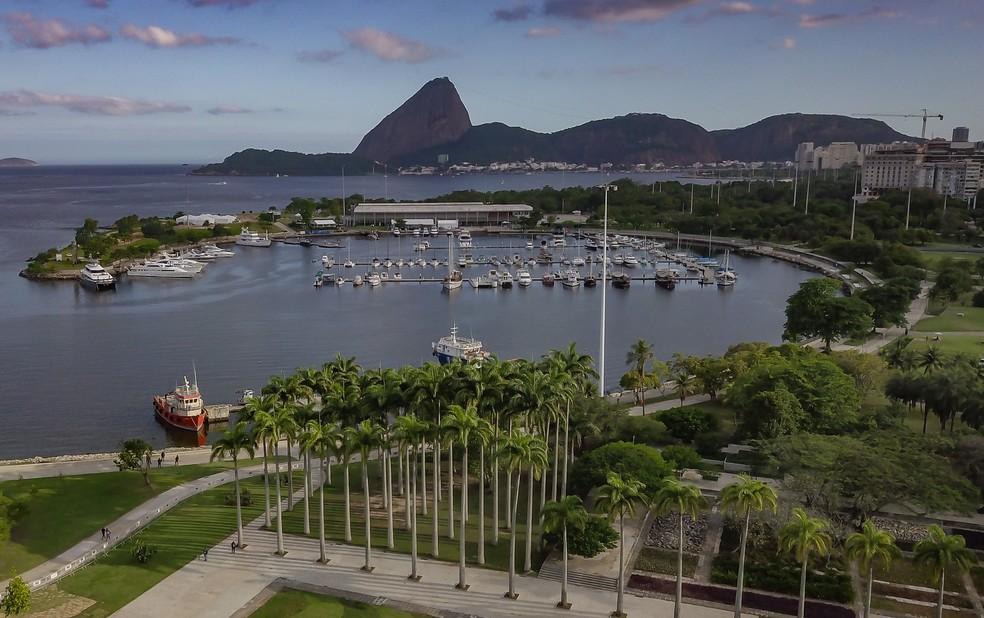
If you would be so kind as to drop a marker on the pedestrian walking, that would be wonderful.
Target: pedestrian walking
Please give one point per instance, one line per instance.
(233, 546)
(103, 531)
(175, 460)
(205, 554)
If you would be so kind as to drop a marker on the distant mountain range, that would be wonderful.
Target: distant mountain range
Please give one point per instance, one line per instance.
(434, 122)
(18, 162)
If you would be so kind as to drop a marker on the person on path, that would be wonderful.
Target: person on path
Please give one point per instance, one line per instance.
(205, 554)
(103, 531)
(175, 460)
(233, 546)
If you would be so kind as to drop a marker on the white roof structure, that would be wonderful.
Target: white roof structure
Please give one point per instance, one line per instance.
(439, 207)
(418, 222)
(323, 222)
(206, 219)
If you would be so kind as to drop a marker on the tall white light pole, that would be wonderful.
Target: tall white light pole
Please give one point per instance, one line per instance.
(854, 202)
(604, 290)
(908, 207)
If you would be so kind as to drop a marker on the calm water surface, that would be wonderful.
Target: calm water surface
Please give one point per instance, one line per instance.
(78, 370)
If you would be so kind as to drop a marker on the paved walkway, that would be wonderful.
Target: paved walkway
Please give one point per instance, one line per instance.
(917, 310)
(668, 404)
(227, 582)
(92, 464)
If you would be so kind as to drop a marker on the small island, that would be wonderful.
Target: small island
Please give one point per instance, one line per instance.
(18, 162)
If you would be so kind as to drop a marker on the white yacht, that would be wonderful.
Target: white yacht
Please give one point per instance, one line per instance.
(327, 261)
(152, 268)
(578, 261)
(630, 261)
(465, 239)
(454, 279)
(211, 249)
(252, 239)
(348, 264)
(95, 277)
(524, 278)
(571, 279)
(373, 280)
(183, 262)
(358, 281)
(559, 240)
(454, 348)
(505, 279)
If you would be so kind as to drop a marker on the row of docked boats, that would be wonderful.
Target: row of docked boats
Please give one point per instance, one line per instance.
(179, 266)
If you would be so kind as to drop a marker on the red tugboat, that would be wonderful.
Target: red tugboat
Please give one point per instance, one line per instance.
(183, 408)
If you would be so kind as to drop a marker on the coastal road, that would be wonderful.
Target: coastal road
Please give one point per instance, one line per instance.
(92, 464)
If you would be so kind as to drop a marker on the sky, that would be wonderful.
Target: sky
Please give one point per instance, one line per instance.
(173, 81)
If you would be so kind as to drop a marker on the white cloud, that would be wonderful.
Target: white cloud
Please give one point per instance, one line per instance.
(390, 47)
(26, 30)
(86, 104)
(158, 36)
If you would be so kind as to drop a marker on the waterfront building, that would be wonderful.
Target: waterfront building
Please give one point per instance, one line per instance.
(205, 219)
(961, 134)
(450, 214)
(831, 157)
(946, 168)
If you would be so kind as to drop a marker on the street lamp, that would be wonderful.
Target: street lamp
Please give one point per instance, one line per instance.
(604, 289)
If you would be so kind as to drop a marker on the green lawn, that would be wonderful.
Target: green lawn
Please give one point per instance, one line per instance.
(300, 604)
(179, 535)
(63, 510)
(932, 258)
(949, 321)
(902, 571)
(664, 561)
(967, 345)
(496, 556)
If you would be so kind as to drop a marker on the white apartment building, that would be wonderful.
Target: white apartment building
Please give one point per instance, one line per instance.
(831, 157)
(946, 168)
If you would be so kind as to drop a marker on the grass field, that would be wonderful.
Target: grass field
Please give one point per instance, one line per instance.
(664, 561)
(300, 604)
(932, 258)
(63, 510)
(902, 571)
(496, 556)
(968, 345)
(950, 320)
(179, 535)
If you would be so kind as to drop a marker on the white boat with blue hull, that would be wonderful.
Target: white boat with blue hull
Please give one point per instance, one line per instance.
(454, 348)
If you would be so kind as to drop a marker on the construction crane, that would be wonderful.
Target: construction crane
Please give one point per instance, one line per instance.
(925, 115)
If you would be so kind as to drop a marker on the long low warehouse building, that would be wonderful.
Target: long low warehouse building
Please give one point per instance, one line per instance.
(463, 213)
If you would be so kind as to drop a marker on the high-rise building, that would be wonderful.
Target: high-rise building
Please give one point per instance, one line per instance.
(804, 156)
(961, 134)
(832, 157)
(947, 168)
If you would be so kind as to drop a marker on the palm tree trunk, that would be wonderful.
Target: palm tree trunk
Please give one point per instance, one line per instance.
(437, 448)
(495, 499)
(399, 473)
(405, 491)
(556, 466)
(388, 463)
(564, 604)
(543, 477)
(435, 496)
(290, 476)
(365, 489)
(481, 504)
(266, 486)
(280, 519)
(678, 599)
(867, 594)
(451, 489)
(509, 493)
(412, 492)
(528, 558)
(567, 429)
(801, 612)
(741, 564)
(939, 603)
(307, 493)
(620, 598)
(512, 539)
(423, 476)
(462, 583)
(348, 505)
(239, 502)
(321, 515)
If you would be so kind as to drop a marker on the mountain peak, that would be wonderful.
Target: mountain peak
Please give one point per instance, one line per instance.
(434, 115)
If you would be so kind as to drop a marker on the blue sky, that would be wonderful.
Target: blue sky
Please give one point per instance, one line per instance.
(143, 81)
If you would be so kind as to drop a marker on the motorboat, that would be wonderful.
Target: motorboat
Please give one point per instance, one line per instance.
(384, 276)
(396, 231)
(388, 263)
(547, 280)
(212, 249)
(484, 281)
(505, 279)
(559, 239)
(252, 239)
(571, 279)
(666, 278)
(453, 280)
(619, 259)
(465, 239)
(358, 281)
(182, 408)
(590, 281)
(454, 348)
(94, 277)
(523, 278)
(183, 262)
(529, 245)
(319, 280)
(398, 275)
(376, 263)
(327, 261)
(630, 261)
(621, 280)
(348, 264)
(161, 269)
(373, 280)
(462, 261)
(591, 244)
(578, 261)
(435, 262)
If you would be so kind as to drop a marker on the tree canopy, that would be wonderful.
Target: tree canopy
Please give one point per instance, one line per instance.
(818, 310)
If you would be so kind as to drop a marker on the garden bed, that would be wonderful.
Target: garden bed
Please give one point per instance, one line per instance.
(776, 574)
(664, 561)
(751, 600)
(665, 532)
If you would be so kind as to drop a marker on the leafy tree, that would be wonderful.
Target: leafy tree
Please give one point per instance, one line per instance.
(681, 457)
(642, 462)
(868, 370)
(85, 234)
(941, 553)
(800, 537)
(817, 310)
(135, 455)
(11, 511)
(867, 547)
(596, 536)
(889, 304)
(686, 423)
(126, 226)
(713, 374)
(16, 598)
(866, 472)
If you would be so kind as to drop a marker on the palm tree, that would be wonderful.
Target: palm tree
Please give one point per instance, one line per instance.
(536, 464)
(558, 517)
(686, 384)
(940, 553)
(343, 451)
(742, 498)
(366, 436)
(303, 414)
(232, 441)
(897, 355)
(410, 431)
(619, 497)
(639, 355)
(513, 452)
(253, 409)
(461, 423)
(288, 391)
(930, 359)
(280, 425)
(801, 536)
(320, 438)
(486, 438)
(868, 546)
(685, 500)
